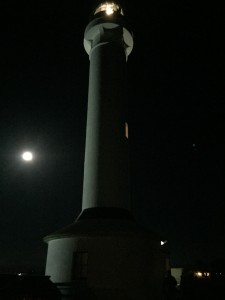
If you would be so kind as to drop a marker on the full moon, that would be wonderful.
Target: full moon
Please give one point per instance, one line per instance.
(27, 156)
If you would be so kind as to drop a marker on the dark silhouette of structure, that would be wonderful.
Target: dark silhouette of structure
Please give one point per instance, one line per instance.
(170, 287)
(32, 287)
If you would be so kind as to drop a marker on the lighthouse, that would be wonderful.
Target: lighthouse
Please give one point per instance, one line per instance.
(104, 253)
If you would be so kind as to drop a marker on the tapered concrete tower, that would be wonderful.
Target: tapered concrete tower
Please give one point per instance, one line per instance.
(108, 44)
(104, 254)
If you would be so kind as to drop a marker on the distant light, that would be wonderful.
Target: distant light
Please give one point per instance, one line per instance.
(27, 156)
(19, 274)
(163, 242)
(198, 274)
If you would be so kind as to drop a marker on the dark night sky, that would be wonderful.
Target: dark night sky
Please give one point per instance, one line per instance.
(176, 122)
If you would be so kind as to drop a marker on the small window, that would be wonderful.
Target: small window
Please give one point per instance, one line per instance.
(126, 130)
(80, 263)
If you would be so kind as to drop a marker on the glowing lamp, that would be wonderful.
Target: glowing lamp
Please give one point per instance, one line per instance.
(109, 8)
(163, 242)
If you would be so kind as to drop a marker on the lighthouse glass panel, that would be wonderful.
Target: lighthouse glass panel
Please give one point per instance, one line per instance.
(109, 8)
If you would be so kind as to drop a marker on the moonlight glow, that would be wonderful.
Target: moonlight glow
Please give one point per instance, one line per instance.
(27, 156)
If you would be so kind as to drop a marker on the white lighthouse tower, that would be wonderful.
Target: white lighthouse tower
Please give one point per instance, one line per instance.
(104, 254)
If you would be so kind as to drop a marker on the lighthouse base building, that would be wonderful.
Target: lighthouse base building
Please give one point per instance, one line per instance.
(104, 254)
